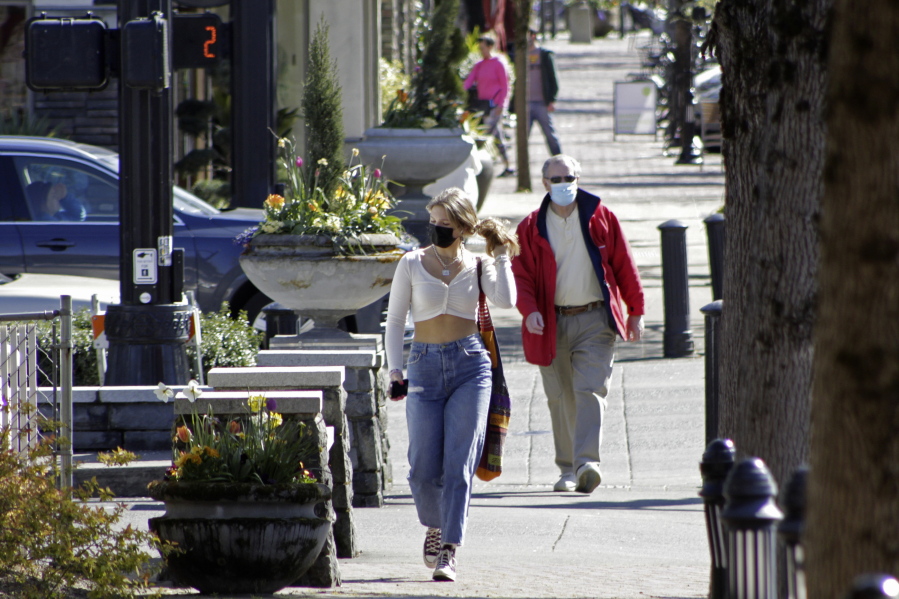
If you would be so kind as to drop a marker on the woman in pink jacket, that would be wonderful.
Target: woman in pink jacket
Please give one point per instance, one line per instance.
(492, 81)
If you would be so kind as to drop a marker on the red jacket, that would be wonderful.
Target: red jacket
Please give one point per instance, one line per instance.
(535, 272)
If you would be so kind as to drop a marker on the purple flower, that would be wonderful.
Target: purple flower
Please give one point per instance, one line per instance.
(299, 162)
(270, 404)
(377, 173)
(245, 237)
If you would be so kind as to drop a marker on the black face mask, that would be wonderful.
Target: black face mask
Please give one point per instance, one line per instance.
(442, 237)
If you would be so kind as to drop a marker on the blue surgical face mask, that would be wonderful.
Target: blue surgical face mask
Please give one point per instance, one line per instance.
(563, 194)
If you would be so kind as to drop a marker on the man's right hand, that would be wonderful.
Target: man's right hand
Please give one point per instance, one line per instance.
(534, 323)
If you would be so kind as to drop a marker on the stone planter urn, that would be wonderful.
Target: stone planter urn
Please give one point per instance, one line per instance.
(414, 158)
(321, 277)
(238, 538)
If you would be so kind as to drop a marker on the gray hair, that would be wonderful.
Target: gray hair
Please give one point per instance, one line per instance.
(572, 164)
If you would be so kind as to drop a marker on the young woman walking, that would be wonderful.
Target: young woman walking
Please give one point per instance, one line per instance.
(448, 369)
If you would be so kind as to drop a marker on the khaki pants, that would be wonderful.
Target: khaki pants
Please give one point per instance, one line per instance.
(576, 385)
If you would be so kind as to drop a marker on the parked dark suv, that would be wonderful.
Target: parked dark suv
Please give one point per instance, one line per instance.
(82, 237)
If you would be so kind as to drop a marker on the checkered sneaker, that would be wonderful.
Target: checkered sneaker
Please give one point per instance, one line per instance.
(432, 547)
(446, 564)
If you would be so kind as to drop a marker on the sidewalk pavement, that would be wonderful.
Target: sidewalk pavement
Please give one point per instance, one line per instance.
(641, 533)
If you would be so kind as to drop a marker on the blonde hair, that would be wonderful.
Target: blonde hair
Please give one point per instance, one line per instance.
(460, 210)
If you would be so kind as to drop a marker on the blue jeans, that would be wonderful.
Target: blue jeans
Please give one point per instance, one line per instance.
(494, 125)
(537, 112)
(446, 412)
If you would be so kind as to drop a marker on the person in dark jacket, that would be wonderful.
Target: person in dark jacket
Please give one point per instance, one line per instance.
(52, 202)
(574, 270)
(543, 88)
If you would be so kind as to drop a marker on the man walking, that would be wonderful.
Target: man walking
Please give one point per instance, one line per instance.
(574, 271)
(543, 88)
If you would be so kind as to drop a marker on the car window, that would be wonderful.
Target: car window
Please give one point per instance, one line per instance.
(63, 190)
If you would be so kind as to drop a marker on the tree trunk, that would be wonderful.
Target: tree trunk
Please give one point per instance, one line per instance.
(853, 502)
(772, 57)
(522, 16)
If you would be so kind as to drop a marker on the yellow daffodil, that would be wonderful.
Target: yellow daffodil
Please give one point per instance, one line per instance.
(256, 402)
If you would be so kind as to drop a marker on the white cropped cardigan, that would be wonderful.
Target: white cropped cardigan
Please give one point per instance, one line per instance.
(428, 296)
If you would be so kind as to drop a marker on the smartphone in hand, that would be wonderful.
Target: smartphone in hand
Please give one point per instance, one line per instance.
(398, 389)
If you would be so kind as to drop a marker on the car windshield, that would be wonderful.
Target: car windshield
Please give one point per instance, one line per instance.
(183, 200)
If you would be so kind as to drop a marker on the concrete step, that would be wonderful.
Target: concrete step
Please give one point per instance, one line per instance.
(124, 481)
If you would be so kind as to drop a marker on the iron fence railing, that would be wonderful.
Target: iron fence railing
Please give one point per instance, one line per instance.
(36, 379)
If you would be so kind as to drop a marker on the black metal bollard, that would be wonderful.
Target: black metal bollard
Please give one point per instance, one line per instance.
(717, 461)
(874, 586)
(678, 338)
(750, 516)
(714, 227)
(712, 382)
(790, 532)
(279, 321)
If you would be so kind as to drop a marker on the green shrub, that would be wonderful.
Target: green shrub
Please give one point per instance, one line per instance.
(19, 124)
(393, 79)
(323, 111)
(225, 342)
(54, 544)
(84, 358)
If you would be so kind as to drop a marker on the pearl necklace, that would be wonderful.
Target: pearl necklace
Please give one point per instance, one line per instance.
(446, 267)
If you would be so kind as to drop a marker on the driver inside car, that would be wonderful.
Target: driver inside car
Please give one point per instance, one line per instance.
(52, 202)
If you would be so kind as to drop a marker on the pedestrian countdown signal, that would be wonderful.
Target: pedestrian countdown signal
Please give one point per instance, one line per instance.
(198, 41)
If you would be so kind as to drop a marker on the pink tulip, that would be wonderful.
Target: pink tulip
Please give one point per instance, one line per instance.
(299, 162)
(377, 173)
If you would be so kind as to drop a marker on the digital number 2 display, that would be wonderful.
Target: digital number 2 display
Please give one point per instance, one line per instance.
(198, 41)
(208, 52)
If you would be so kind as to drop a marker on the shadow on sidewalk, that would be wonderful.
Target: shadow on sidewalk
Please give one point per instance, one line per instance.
(565, 501)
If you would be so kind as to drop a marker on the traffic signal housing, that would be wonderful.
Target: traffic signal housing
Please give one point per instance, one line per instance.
(66, 54)
(145, 53)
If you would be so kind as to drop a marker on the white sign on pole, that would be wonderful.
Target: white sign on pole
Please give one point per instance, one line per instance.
(165, 250)
(145, 266)
(635, 107)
